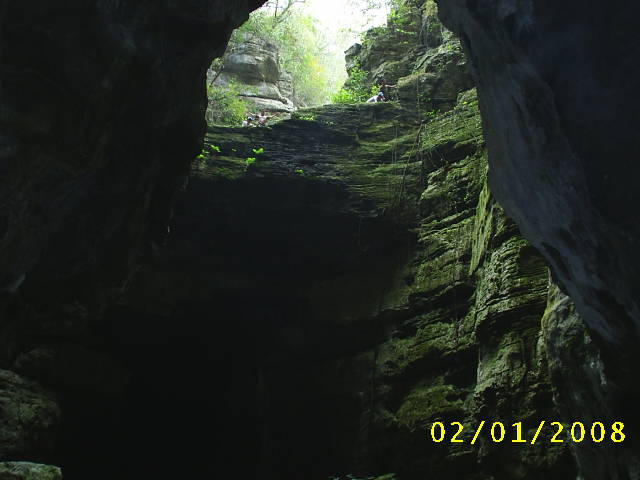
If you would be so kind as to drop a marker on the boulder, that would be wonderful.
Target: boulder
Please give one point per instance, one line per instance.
(253, 69)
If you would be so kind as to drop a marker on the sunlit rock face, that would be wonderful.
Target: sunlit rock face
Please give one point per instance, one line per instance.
(557, 84)
(101, 112)
(253, 69)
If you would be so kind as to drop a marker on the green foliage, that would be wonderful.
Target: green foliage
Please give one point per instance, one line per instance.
(309, 117)
(251, 160)
(346, 95)
(356, 89)
(304, 52)
(208, 150)
(432, 114)
(225, 106)
(299, 171)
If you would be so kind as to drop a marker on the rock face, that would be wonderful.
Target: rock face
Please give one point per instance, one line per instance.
(332, 287)
(253, 68)
(558, 100)
(415, 52)
(28, 471)
(358, 256)
(29, 415)
(102, 111)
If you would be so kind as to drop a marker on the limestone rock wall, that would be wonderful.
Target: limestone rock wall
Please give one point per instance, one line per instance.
(101, 112)
(253, 68)
(395, 293)
(418, 54)
(332, 286)
(558, 102)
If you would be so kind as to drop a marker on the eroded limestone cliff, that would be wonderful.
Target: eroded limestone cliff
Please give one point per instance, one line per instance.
(557, 84)
(357, 255)
(101, 113)
(331, 286)
(253, 69)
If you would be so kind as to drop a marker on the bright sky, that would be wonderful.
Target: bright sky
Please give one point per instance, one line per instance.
(337, 15)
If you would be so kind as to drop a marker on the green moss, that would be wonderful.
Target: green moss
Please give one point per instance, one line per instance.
(482, 229)
(426, 403)
(222, 167)
(430, 8)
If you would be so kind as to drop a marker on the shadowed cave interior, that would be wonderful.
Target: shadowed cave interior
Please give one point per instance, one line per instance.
(233, 377)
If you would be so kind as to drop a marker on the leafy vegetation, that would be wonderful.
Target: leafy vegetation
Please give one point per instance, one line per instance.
(307, 54)
(304, 50)
(251, 160)
(225, 106)
(404, 18)
(308, 117)
(356, 88)
(208, 150)
(403, 24)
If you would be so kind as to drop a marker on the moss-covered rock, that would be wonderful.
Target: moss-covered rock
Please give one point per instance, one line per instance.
(28, 471)
(29, 416)
(378, 284)
(416, 299)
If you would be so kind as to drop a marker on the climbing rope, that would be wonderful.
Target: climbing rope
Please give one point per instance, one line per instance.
(414, 152)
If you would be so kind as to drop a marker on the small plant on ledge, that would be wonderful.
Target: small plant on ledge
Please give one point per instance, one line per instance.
(207, 150)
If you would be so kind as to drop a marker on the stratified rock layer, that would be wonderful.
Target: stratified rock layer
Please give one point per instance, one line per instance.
(378, 288)
(557, 84)
(416, 53)
(252, 68)
(334, 286)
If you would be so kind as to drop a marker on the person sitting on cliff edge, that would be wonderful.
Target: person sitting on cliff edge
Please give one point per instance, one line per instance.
(384, 88)
(376, 98)
(263, 118)
(248, 122)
